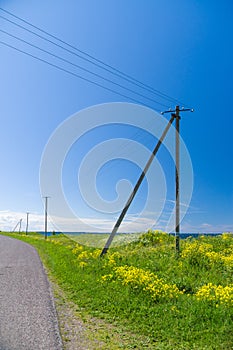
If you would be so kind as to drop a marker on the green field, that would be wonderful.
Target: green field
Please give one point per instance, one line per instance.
(98, 240)
(154, 298)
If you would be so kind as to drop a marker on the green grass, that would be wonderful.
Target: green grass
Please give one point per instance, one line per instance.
(161, 321)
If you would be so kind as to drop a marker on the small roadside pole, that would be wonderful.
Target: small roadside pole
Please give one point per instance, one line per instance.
(27, 223)
(20, 223)
(46, 217)
(176, 114)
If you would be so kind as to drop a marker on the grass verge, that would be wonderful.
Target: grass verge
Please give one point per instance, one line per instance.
(143, 295)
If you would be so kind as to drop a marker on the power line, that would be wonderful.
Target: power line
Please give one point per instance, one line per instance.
(80, 67)
(74, 74)
(87, 60)
(113, 70)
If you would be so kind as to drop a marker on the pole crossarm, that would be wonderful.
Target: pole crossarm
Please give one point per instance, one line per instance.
(178, 110)
(131, 197)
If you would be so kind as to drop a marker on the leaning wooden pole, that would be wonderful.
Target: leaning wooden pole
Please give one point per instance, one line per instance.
(131, 197)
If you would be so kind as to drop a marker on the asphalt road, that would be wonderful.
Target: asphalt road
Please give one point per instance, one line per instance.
(28, 319)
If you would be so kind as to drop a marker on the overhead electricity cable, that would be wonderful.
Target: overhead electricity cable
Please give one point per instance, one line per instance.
(74, 74)
(61, 47)
(113, 70)
(82, 68)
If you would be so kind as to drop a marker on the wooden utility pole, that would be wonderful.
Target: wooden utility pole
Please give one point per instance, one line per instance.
(176, 114)
(27, 223)
(177, 170)
(46, 217)
(16, 226)
(20, 223)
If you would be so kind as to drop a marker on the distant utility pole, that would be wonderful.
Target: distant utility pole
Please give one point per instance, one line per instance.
(46, 217)
(20, 223)
(27, 223)
(15, 227)
(176, 114)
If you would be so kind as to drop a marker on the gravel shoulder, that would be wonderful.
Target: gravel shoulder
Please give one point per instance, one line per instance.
(81, 331)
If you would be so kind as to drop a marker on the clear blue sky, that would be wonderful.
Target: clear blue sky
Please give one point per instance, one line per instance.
(182, 48)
